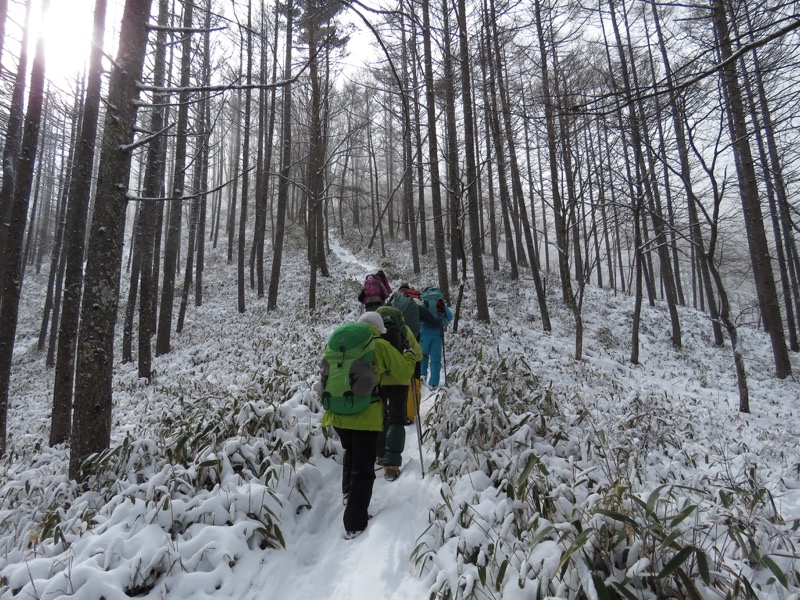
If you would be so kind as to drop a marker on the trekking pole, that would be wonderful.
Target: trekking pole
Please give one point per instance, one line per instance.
(415, 394)
(444, 359)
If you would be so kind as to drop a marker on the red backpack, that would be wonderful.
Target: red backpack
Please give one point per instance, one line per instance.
(374, 292)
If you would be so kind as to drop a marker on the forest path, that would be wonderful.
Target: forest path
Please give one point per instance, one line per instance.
(319, 563)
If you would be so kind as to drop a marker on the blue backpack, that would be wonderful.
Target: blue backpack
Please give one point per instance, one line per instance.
(433, 299)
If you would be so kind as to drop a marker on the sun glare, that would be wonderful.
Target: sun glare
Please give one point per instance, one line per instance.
(67, 31)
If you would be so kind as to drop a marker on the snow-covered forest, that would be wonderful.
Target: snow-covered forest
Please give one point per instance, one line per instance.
(545, 476)
(193, 192)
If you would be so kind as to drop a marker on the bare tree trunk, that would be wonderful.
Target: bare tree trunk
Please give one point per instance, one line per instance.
(13, 140)
(236, 115)
(489, 111)
(559, 215)
(481, 302)
(776, 189)
(493, 111)
(748, 189)
(695, 233)
(173, 239)
(34, 216)
(133, 287)
(153, 188)
(433, 153)
(91, 427)
(265, 164)
(516, 180)
(204, 129)
(59, 256)
(656, 212)
(286, 163)
(204, 116)
(52, 194)
(3, 17)
(638, 194)
(56, 251)
(420, 214)
(240, 274)
(451, 149)
(13, 275)
(408, 183)
(316, 156)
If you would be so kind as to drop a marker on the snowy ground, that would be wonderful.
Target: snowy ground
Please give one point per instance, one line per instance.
(228, 488)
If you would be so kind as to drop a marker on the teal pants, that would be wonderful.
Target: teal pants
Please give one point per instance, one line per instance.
(431, 342)
(392, 440)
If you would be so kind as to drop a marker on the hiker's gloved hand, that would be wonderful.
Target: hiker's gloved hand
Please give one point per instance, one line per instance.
(409, 351)
(406, 345)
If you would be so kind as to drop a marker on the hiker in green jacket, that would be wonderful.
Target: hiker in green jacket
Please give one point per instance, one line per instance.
(394, 390)
(359, 432)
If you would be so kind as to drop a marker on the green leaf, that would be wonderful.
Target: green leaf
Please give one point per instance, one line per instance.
(653, 498)
(681, 516)
(600, 587)
(691, 592)
(611, 514)
(279, 536)
(776, 570)
(541, 535)
(501, 575)
(625, 591)
(702, 565)
(482, 574)
(532, 460)
(676, 562)
(669, 541)
(577, 543)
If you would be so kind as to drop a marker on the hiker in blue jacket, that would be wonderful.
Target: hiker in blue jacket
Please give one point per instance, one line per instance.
(432, 335)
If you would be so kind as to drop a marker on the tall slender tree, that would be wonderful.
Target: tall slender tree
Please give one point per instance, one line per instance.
(481, 301)
(433, 152)
(748, 191)
(173, 239)
(18, 216)
(286, 163)
(13, 139)
(91, 425)
(153, 188)
(248, 98)
(74, 237)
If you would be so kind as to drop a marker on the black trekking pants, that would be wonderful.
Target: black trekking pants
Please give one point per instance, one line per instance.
(358, 475)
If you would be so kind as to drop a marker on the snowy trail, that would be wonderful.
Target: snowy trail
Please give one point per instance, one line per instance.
(374, 565)
(353, 267)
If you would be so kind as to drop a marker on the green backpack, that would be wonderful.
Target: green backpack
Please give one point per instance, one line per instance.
(347, 375)
(410, 311)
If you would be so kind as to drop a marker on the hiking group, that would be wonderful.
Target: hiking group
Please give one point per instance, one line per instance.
(372, 372)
